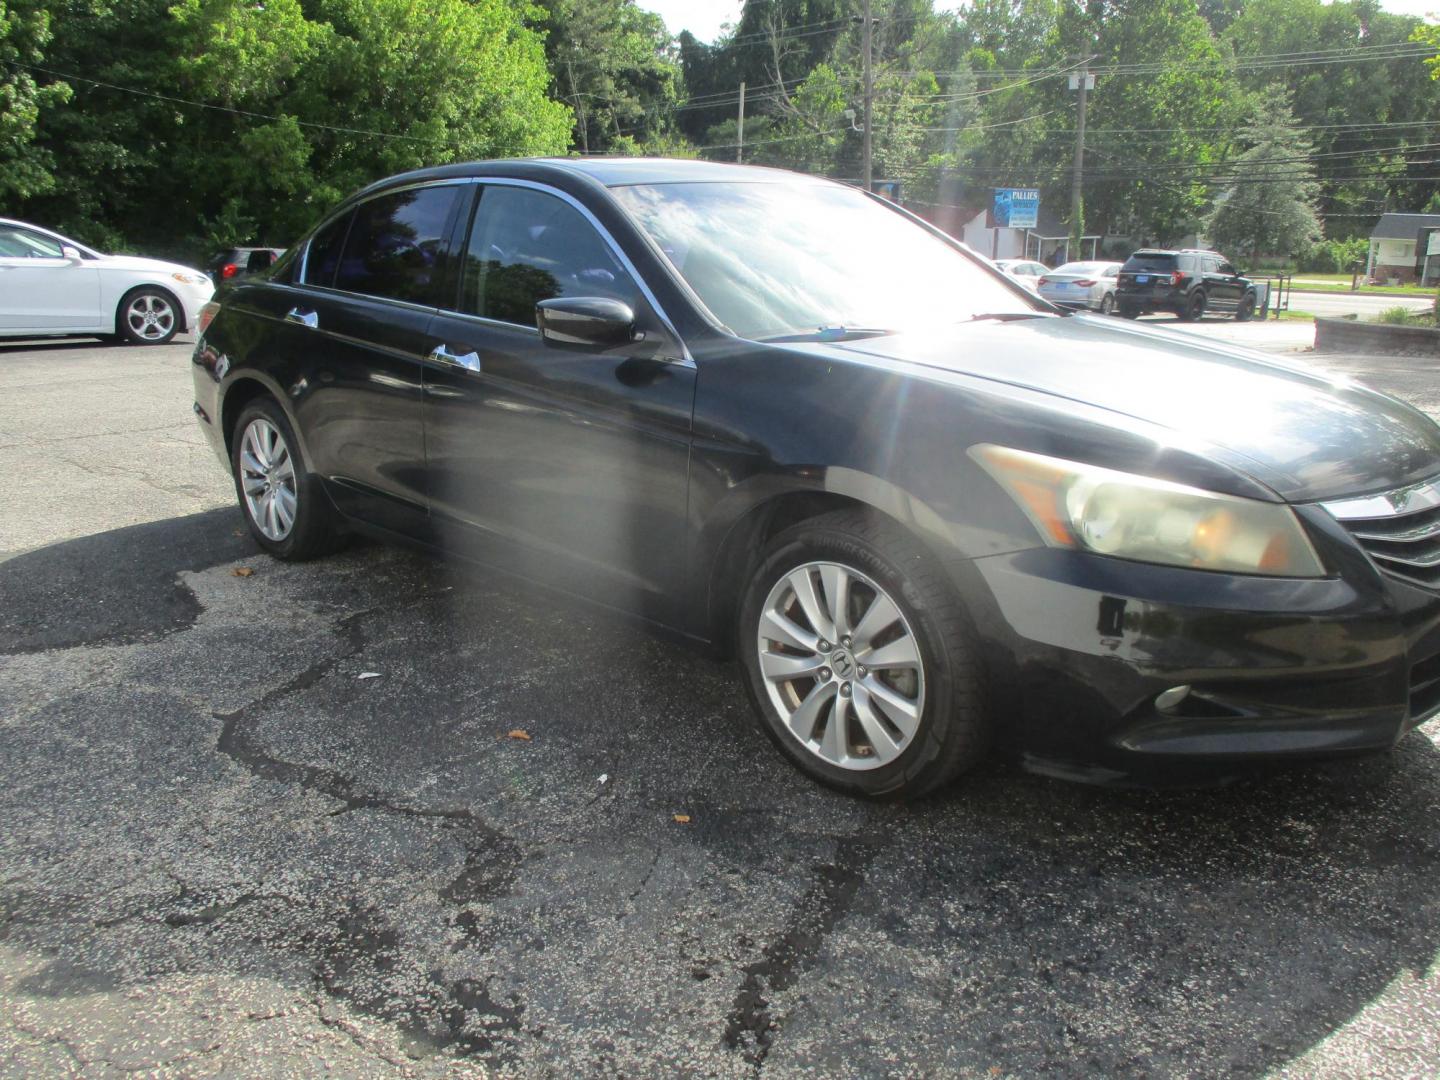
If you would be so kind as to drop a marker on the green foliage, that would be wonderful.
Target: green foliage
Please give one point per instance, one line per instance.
(615, 65)
(1395, 316)
(1272, 210)
(1335, 256)
(25, 168)
(295, 104)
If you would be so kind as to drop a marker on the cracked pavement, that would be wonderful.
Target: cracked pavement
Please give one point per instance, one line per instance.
(225, 853)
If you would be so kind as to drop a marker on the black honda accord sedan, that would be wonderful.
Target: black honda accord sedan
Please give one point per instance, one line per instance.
(931, 513)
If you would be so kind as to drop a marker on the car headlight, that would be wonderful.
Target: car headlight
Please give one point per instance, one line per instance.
(191, 279)
(1136, 517)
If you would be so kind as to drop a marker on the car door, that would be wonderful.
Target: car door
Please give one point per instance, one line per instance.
(346, 341)
(41, 290)
(567, 464)
(1220, 290)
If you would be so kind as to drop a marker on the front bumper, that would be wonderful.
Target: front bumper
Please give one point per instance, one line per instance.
(1085, 647)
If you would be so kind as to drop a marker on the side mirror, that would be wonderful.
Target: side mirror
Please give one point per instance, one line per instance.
(584, 320)
(71, 255)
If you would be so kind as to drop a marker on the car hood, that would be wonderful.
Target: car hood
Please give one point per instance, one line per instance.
(144, 265)
(1303, 433)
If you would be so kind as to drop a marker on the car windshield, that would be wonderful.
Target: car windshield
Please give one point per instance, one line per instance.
(774, 260)
(1150, 260)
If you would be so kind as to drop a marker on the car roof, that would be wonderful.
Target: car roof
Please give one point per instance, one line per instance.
(606, 171)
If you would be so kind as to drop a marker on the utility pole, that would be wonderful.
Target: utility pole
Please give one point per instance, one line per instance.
(740, 127)
(867, 173)
(580, 108)
(1084, 81)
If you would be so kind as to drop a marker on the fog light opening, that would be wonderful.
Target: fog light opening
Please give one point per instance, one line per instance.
(1170, 700)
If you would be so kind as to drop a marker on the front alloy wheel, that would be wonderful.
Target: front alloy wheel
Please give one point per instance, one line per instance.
(860, 657)
(841, 665)
(148, 317)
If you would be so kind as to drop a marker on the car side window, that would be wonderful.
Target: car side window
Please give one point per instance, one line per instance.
(1112, 272)
(1212, 265)
(396, 248)
(527, 246)
(24, 244)
(324, 254)
(1226, 268)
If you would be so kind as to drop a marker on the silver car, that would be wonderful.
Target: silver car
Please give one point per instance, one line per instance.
(1082, 285)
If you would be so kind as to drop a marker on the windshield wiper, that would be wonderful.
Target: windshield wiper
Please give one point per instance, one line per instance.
(832, 333)
(1010, 316)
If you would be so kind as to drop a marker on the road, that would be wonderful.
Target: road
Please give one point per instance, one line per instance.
(228, 850)
(1334, 305)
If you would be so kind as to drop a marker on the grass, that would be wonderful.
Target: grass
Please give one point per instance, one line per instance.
(1399, 316)
(1340, 283)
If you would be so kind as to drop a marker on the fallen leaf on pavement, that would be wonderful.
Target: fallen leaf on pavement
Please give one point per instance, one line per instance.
(368, 675)
(520, 733)
(242, 571)
(682, 819)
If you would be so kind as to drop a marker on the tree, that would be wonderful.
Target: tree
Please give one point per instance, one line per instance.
(1272, 210)
(24, 33)
(615, 65)
(230, 120)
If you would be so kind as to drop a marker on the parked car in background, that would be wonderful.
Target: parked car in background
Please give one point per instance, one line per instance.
(237, 262)
(1188, 283)
(51, 285)
(929, 511)
(1025, 271)
(1082, 285)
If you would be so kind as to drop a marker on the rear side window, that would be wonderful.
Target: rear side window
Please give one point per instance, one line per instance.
(1189, 263)
(324, 254)
(1150, 261)
(527, 246)
(396, 248)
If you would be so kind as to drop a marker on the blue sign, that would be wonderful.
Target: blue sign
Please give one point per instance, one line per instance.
(1017, 208)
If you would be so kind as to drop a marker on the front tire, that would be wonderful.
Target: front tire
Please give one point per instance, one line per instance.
(148, 316)
(1246, 311)
(288, 512)
(860, 658)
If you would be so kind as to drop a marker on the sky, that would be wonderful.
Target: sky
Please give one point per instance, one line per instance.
(703, 18)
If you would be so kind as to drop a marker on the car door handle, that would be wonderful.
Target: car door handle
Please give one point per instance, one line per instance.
(304, 318)
(470, 361)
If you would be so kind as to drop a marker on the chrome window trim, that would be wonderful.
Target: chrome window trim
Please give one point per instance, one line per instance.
(1387, 504)
(685, 359)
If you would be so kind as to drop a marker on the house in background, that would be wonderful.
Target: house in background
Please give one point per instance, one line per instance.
(1393, 246)
(1048, 242)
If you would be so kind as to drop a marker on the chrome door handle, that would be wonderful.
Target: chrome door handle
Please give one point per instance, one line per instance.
(304, 318)
(470, 361)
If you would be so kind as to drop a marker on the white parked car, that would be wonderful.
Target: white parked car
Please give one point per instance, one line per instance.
(52, 286)
(1082, 285)
(1025, 271)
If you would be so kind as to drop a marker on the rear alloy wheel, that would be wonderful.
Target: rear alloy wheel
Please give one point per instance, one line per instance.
(865, 676)
(149, 316)
(1246, 311)
(289, 514)
(1194, 306)
(1107, 303)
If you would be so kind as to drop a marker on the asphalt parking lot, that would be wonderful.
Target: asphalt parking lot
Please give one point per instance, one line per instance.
(263, 823)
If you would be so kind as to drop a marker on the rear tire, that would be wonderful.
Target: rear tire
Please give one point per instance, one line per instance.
(284, 504)
(1194, 307)
(1107, 304)
(903, 678)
